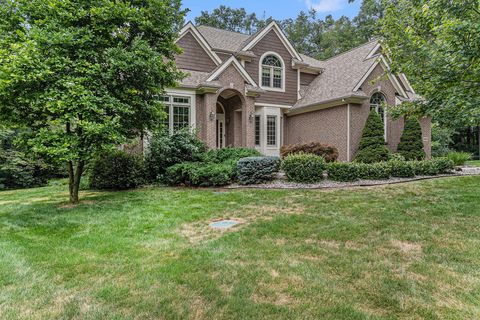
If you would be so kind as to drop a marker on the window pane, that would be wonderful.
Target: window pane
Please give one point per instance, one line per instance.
(166, 118)
(180, 117)
(277, 78)
(272, 61)
(165, 99)
(271, 131)
(266, 77)
(181, 100)
(257, 130)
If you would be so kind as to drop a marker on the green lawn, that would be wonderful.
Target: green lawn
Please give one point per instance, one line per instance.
(407, 251)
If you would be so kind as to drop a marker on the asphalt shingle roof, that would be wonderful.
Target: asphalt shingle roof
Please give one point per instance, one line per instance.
(222, 39)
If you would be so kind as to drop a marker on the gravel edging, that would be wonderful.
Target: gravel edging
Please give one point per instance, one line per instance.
(330, 184)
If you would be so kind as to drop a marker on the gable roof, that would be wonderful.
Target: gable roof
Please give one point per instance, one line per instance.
(190, 28)
(343, 76)
(232, 61)
(223, 40)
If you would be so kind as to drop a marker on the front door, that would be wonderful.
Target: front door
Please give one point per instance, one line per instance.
(220, 130)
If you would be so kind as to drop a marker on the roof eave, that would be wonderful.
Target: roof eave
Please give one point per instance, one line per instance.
(352, 98)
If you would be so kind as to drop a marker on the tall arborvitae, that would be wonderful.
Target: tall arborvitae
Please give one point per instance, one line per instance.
(372, 145)
(411, 145)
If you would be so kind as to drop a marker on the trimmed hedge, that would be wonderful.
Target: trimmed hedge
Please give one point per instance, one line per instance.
(344, 172)
(374, 171)
(328, 152)
(304, 167)
(444, 165)
(229, 154)
(402, 169)
(256, 170)
(117, 170)
(425, 168)
(200, 174)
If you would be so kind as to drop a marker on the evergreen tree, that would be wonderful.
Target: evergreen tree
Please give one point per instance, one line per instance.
(411, 145)
(372, 145)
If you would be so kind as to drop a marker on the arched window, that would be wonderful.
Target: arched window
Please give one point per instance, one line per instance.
(377, 104)
(272, 72)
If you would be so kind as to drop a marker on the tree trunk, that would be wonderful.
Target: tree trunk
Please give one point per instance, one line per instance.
(75, 176)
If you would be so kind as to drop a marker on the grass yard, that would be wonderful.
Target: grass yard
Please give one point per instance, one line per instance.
(407, 251)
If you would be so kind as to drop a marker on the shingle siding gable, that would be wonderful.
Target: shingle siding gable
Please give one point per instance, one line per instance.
(194, 56)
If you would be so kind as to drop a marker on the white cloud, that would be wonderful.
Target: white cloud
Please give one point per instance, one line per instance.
(325, 5)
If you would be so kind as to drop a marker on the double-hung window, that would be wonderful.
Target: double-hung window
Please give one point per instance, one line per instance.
(272, 72)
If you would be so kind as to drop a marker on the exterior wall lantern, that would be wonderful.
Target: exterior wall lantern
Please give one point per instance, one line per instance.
(212, 116)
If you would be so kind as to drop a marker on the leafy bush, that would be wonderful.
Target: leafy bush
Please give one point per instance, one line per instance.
(373, 171)
(326, 151)
(459, 158)
(229, 154)
(117, 170)
(372, 144)
(425, 168)
(444, 165)
(396, 156)
(401, 169)
(18, 171)
(167, 150)
(441, 140)
(411, 144)
(255, 170)
(303, 167)
(200, 174)
(345, 172)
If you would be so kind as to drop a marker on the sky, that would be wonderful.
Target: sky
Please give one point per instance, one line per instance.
(278, 9)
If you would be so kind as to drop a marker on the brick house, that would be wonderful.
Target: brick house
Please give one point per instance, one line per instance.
(258, 91)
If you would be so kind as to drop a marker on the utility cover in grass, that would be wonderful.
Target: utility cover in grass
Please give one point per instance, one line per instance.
(224, 224)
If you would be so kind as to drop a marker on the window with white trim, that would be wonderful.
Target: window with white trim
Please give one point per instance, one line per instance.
(271, 131)
(177, 109)
(272, 72)
(377, 104)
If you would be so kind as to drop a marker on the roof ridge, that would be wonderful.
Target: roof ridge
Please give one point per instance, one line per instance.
(350, 50)
(224, 30)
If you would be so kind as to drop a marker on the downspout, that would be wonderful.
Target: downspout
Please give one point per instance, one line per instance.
(348, 133)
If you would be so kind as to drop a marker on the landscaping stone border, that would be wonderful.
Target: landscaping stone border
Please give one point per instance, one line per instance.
(282, 183)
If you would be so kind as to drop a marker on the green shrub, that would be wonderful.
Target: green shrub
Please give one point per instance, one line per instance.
(229, 154)
(374, 171)
(303, 167)
(256, 170)
(372, 144)
(459, 158)
(396, 156)
(425, 168)
(167, 150)
(411, 144)
(200, 174)
(117, 170)
(19, 171)
(401, 169)
(444, 165)
(326, 151)
(345, 172)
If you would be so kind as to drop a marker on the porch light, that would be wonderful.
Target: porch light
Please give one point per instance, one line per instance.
(212, 116)
(251, 117)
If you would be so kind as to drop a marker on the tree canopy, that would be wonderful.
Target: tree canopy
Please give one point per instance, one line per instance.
(437, 44)
(85, 75)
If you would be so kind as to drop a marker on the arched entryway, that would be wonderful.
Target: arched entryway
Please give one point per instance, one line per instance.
(229, 119)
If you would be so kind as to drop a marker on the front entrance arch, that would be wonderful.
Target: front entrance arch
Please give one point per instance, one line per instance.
(229, 119)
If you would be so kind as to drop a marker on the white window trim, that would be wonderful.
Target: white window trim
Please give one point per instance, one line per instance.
(276, 117)
(192, 113)
(260, 69)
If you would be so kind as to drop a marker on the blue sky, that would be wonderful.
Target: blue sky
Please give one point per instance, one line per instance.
(278, 9)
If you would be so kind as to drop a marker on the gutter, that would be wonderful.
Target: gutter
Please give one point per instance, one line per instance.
(349, 99)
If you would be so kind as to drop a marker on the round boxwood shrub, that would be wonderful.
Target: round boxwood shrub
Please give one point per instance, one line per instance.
(444, 165)
(411, 144)
(402, 169)
(372, 144)
(199, 174)
(303, 167)
(373, 171)
(256, 170)
(344, 172)
(425, 168)
(326, 151)
(117, 170)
